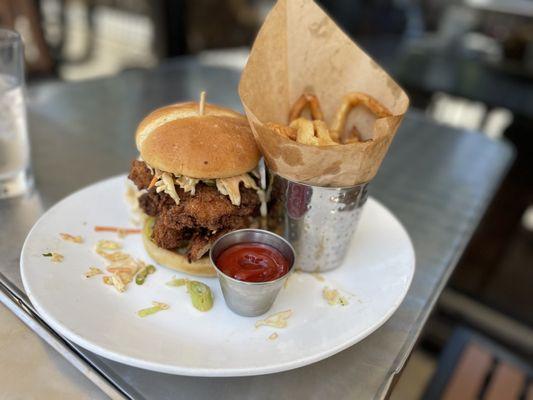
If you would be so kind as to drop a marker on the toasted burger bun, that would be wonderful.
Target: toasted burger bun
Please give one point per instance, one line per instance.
(217, 144)
(176, 261)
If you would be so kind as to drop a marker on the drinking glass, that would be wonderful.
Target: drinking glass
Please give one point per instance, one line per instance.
(15, 174)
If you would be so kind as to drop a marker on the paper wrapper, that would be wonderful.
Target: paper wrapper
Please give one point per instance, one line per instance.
(299, 48)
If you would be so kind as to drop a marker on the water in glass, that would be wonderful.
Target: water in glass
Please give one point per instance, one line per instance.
(15, 176)
(13, 130)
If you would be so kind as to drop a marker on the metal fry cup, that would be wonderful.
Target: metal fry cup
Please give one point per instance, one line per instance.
(318, 221)
(250, 299)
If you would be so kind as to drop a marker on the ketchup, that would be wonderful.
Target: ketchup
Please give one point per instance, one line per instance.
(253, 262)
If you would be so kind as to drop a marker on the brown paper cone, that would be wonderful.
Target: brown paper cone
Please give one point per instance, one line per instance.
(299, 48)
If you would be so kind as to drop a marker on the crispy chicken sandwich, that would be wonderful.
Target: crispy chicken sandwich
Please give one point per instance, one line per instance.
(197, 180)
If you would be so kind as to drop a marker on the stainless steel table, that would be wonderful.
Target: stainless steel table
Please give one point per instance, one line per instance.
(437, 180)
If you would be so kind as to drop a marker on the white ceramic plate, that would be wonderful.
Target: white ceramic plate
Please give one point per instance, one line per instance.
(374, 278)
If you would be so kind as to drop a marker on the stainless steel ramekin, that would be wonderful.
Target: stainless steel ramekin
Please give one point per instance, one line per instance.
(318, 221)
(250, 299)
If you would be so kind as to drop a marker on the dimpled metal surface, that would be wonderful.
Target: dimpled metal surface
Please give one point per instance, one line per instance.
(318, 221)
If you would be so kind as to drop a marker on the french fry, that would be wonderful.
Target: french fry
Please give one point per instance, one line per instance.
(316, 132)
(323, 134)
(352, 137)
(305, 131)
(283, 130)
(306, 100)
(350, 101)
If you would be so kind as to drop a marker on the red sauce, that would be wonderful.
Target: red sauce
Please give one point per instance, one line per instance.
(253, 262)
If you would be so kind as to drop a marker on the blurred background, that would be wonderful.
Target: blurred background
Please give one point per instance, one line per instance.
(466, 63)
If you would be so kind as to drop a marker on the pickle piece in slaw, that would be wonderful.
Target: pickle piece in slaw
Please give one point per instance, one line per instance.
(150, 268)
(200, 293)
(201, 296)
(143, 273)
(157, 306)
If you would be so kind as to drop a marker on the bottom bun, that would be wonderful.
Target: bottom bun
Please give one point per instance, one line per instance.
(173, 260)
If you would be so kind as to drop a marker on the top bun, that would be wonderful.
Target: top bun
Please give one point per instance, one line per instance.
(217, 144)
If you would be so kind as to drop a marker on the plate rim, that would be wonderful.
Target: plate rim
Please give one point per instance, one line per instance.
(64, 331)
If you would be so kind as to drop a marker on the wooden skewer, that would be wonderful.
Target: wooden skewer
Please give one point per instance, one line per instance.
(201, 106)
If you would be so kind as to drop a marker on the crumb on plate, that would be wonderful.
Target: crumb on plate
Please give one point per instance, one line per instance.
(277, 320)
(333, 297)
(71, 238)
(54, 256)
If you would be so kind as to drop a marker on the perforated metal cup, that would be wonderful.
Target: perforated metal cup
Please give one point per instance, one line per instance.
(318, 221)
(250, 299)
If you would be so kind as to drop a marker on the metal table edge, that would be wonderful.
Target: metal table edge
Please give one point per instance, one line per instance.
(407, 349)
